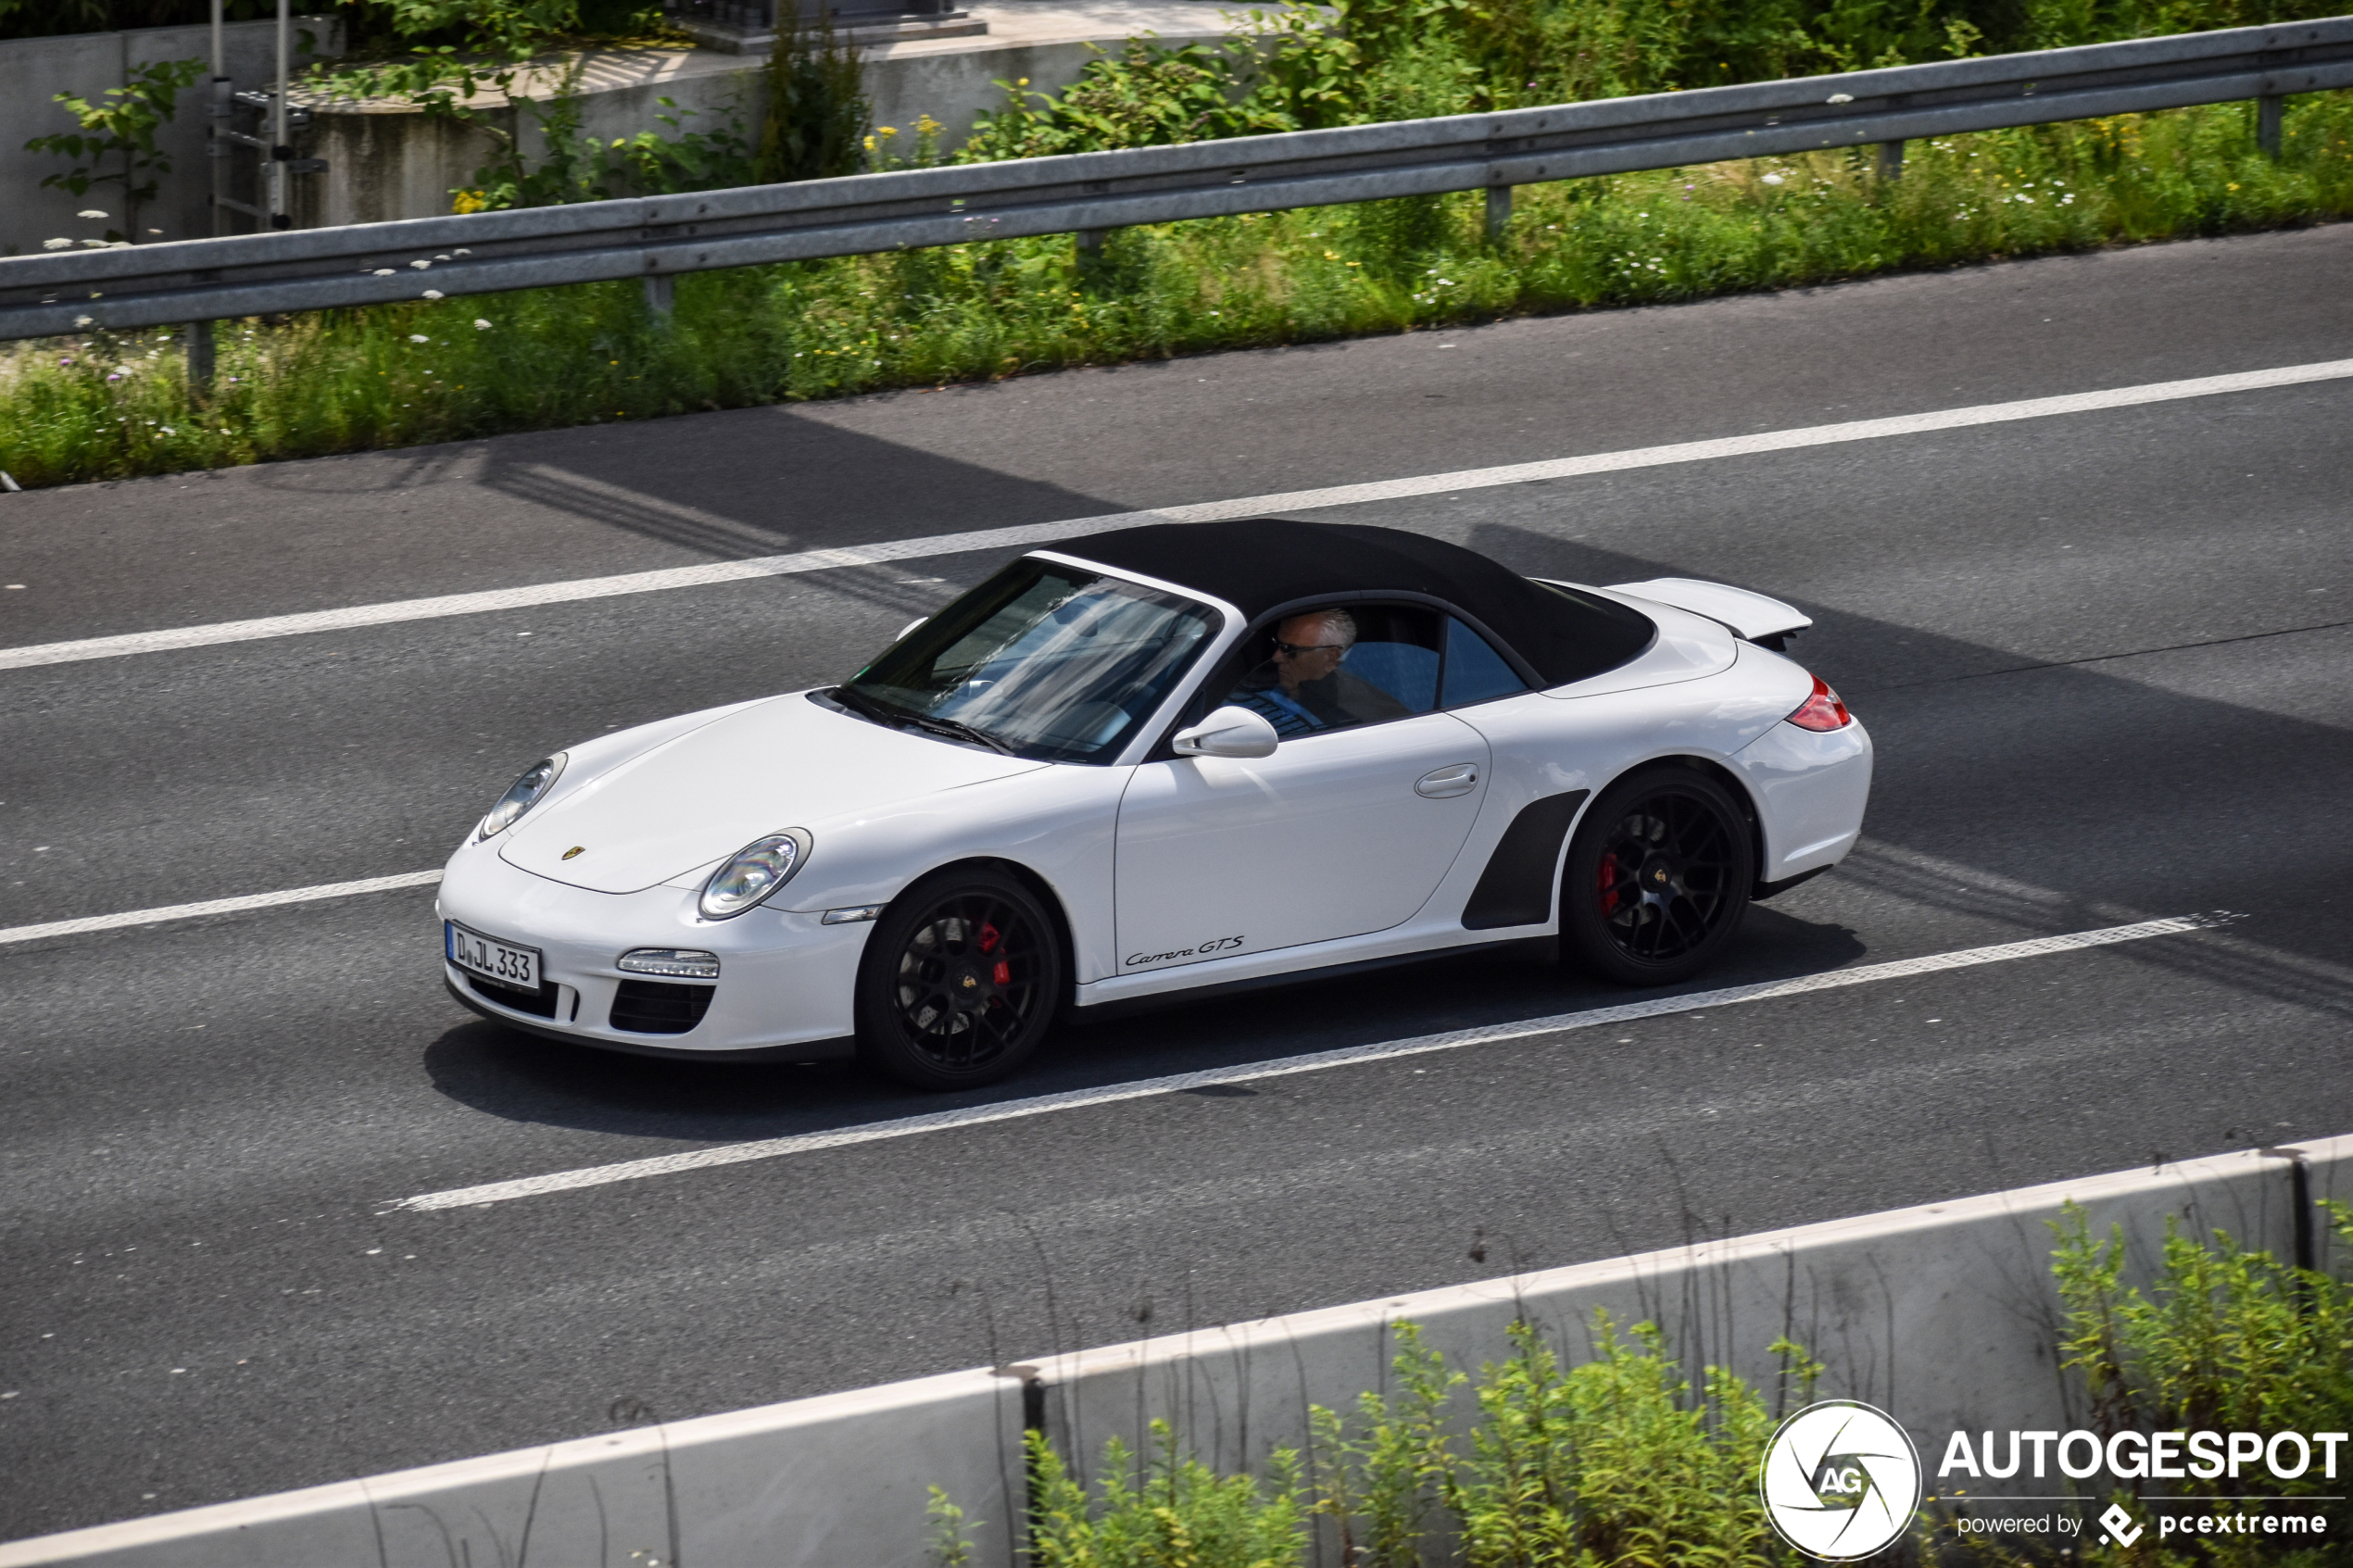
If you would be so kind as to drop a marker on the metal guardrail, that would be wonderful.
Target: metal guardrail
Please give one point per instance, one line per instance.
(657, 237)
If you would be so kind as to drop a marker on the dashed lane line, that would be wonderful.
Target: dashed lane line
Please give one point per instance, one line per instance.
(800, 561)
(1076, 1099)
(16, 934)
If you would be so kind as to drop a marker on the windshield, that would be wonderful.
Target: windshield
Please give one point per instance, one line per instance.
(1050, 662)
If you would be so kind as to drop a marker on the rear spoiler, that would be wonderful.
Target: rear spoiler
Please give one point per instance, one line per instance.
(1751, 617)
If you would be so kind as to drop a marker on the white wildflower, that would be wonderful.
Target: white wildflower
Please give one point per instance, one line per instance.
(1772, 179)
(481, 325)
(418, 337)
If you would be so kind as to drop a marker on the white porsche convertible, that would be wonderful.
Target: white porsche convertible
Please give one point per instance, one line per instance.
(1168, 758)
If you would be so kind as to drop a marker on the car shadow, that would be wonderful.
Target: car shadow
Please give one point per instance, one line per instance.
(525, 1078)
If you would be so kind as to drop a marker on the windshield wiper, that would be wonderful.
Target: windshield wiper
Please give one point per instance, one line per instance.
(957, 729)
(899, 717)
(859, 702)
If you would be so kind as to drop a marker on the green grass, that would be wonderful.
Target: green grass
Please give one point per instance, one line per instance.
(112, 405)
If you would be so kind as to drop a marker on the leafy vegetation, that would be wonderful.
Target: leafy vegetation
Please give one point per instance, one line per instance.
(1361, 60)
(1619, 1460)
(116, 405)
(816, 107)
(49, 19)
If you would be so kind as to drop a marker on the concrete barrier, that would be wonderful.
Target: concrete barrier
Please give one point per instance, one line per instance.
(837, 1480)
(1942, 1314)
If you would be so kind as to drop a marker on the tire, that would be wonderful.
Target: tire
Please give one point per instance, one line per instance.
(1657, 877)
(960, 981)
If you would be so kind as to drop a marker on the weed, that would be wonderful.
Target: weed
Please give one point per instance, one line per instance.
(122, 124)
(1171, 1512)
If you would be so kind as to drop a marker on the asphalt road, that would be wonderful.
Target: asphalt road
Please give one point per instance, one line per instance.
(2106, 658)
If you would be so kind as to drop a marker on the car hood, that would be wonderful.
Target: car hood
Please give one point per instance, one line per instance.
(783, 763)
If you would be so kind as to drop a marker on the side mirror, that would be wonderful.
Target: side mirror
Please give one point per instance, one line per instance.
(909, 627)
(1229, 731)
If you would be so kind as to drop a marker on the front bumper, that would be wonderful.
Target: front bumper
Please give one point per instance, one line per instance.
(787, 982)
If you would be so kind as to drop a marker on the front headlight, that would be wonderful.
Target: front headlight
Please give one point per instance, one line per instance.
(522, 794)
(753, 872)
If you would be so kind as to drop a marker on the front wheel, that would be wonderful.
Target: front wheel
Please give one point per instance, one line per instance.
(959, 982)
(1657, 877)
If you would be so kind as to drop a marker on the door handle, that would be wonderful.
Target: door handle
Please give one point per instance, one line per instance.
(1455, 778)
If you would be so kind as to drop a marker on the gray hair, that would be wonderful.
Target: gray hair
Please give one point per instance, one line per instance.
(1344, 624)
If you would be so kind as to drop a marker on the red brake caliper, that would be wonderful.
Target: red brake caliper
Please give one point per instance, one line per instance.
(990, 937)
(1609, 884)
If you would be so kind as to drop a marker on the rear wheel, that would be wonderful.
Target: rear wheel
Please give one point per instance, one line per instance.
(959, 982)
(1657, 877)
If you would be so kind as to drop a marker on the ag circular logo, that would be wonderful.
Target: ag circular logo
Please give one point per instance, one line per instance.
(1840, 1480)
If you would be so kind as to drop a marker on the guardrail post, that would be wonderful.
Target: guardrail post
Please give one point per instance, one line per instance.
(1499, 212)
(1891, 161)
(199, 355)
(662, 291)
(2269, 110)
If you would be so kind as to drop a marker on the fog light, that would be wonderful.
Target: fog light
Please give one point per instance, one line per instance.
(684, 963)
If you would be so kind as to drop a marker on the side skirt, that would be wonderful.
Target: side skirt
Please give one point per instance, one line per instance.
(1537, 949)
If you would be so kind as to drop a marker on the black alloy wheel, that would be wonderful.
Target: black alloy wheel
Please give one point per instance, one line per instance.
(960, 981)
(1657, 878)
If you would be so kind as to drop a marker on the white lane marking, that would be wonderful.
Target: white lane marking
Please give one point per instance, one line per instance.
(216, 907)
(1010, 1110)
(1207, 511)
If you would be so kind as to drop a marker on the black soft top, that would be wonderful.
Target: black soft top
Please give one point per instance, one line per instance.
(1259, 565)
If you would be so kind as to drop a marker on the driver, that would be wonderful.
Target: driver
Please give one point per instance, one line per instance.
(1303, 687)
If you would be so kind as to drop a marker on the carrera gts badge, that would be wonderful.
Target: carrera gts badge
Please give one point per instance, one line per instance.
(575, 850)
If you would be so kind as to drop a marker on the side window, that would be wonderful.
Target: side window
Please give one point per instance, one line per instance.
(1330, 668)
(1475, 672)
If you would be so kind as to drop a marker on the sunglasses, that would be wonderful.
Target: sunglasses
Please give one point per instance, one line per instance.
(1293, 650)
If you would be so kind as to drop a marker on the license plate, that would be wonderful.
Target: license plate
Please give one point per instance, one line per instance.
(491, 958)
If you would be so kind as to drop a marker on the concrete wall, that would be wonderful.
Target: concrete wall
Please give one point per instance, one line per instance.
(1941, 1315)
(33, 70)
(390, 161)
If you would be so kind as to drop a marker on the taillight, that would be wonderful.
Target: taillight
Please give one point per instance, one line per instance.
(1822, 711)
